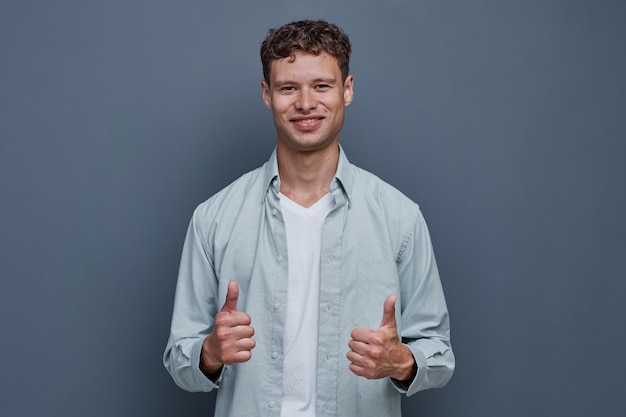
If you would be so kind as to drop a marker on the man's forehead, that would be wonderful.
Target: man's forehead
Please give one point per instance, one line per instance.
(313, 63)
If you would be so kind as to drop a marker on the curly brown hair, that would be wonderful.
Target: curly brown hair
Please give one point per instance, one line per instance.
(309, 37)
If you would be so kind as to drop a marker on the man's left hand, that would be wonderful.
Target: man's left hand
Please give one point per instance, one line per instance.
(376, 354)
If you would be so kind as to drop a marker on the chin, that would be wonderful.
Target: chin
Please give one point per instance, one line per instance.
(310, 145)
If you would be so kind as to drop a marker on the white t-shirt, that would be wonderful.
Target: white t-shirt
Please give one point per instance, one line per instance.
(304, 244)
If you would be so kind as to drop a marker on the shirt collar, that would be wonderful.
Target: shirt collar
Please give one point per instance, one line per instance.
(343, 176)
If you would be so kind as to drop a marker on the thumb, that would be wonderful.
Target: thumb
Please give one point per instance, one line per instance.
(389, 312)
(232, 295)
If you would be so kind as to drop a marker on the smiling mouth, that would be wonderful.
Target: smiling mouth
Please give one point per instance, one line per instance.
(306, 121)
(309, 124)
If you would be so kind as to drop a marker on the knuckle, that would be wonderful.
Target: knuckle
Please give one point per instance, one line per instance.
(221, 319)
(222, 335)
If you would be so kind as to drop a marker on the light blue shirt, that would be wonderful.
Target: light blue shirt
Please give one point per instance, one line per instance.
(374, 243)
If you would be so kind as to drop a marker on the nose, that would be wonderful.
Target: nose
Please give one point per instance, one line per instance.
(306, 100)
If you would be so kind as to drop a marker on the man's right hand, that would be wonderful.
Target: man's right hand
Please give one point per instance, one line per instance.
(231, 340)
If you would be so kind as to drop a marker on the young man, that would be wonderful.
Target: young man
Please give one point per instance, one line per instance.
(308, 287)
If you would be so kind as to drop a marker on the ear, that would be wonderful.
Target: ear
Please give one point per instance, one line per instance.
(348, 90)
(267, 97)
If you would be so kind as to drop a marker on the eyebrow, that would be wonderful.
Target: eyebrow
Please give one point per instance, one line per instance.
(329, 80)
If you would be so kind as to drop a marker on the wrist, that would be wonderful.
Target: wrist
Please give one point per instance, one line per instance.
(209, 365)
(407, 369)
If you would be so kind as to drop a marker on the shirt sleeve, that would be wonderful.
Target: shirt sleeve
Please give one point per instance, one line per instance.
(425, 326)
(195, 306)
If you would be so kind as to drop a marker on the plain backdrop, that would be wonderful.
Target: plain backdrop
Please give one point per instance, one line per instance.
(504, 120)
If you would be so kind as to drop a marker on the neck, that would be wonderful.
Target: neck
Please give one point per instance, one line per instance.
(305, 177)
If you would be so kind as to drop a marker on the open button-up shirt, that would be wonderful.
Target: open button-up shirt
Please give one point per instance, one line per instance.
(374, 243)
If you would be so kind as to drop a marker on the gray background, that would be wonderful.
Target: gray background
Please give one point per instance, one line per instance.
(505, 120)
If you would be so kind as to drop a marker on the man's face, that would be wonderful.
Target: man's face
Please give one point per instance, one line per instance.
(307, 98)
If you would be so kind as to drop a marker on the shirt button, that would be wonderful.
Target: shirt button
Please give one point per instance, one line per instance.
(276, 306)
(274, 355)
(271, 404)
(274, 212)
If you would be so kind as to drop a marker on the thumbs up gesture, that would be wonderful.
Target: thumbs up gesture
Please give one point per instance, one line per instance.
(379, 353)
(231, 340)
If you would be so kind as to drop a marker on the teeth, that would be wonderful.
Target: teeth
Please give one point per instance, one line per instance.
(308, 120)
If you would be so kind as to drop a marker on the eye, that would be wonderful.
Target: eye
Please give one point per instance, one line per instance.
(322, 87)
(287, 88)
